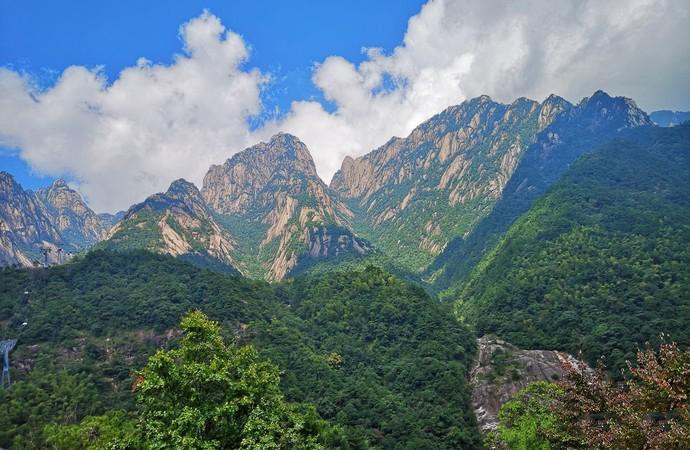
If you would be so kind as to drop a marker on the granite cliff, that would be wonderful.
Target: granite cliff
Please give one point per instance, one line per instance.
(272, 199)
(56, 218)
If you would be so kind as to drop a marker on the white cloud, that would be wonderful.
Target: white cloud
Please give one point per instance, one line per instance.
(454, 50)
(154, 123)
(123, 140)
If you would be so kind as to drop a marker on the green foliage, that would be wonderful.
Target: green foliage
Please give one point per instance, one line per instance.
(140, 232)
(401, 382)
(586, 409)
(405, 360)
(206, 395)
(527, 421)
(598, 264)
(248, 235)
(111, 431)
(44, 396)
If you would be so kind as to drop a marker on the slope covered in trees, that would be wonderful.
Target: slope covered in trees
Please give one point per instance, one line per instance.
(599, 263)
(382, 362)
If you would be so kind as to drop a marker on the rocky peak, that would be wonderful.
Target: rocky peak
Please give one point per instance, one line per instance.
(286, 147)
(551, 108)
(434, 184)
(60, 195)
(183, 189)
(8, 185)
(274, 185)
(59, 184)
(25, 224)
(601, 110)
(176, 222)
(77, 222)
(181, 195)
(283, 162)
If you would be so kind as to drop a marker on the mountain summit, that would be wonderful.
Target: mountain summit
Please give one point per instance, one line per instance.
(270, 196)
(264, 212)
(75, 221)
(54, 218)
(176, 222)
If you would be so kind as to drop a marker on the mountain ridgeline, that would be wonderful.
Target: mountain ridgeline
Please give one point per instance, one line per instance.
(415, 195)
(599, 263)
(55, 218)
(428, 205)
(262, 214)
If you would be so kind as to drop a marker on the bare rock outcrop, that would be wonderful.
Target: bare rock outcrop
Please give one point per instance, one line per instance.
(176, 222)
(502, 369)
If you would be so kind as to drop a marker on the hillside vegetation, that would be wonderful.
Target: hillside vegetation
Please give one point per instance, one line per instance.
(599, 263)
(381, 361)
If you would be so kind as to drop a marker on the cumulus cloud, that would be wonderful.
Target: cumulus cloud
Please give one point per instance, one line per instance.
(455, 49)
(125, 140)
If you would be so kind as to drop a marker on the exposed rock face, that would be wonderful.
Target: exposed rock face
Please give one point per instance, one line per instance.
(573, 131)
(413, 195)
(501, 370)
(418, 192)
(56, 218)
(273, 186)
(266, 207)
(330, 243)
(75, 221)
(177, 223)
(25, 225)
(245, 182)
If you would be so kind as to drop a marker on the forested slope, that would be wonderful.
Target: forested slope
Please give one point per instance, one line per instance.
(600, 263)
(380, 359)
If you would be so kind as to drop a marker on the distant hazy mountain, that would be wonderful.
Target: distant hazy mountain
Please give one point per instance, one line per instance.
(666, 118)
(75, 221)
(55, 218)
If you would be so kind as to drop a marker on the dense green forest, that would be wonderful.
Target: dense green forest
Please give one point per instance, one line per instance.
(599, 263)
(380, 360)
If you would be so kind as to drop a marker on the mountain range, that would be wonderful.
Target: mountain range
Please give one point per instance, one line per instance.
(428, 205)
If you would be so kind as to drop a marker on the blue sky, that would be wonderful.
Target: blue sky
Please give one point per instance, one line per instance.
(286, 37)
(77, 102)
(42, 38)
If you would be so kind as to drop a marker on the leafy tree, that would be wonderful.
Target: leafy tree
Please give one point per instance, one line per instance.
(400, 381)
(527, 421)
(586, 409)
(47, 395)
(111, 431)
(650, 410)
(206, 395)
